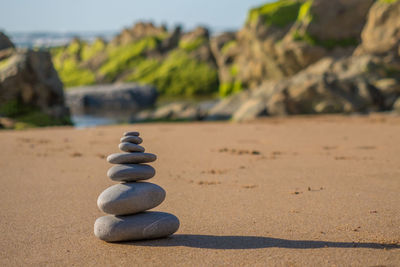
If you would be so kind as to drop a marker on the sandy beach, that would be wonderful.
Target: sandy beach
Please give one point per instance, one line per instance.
(297, 191)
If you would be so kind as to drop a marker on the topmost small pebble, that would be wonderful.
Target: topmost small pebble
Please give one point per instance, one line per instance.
(131, 134)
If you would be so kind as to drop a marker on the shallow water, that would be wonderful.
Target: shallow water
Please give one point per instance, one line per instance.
(92, 118)
(85, 121)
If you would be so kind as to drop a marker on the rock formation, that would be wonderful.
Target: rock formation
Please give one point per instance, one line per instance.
(128, 201)
(176, 63)
(283, 37)
(298, 64)
(290, 57)
(5, 42)
(126, 98)
(30, 90)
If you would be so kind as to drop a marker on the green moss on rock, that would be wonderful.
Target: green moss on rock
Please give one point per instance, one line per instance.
(191, 45)
(121, 58)
(328, 44)
(177, 75)
(388, 1)
(228, 46)
(279, 13)
(28, 116)
(234, 70)
(67, 61)
(89, 51)
(305, 14)
(72, 75)
(226, 89)
(4, 63)
(74, 47)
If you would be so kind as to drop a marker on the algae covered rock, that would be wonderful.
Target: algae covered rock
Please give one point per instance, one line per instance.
(331, 23)
(176, 63)
(283, 37)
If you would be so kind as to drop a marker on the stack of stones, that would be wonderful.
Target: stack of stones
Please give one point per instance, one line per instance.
(128, 201)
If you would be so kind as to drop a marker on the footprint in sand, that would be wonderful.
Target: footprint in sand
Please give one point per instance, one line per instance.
(212, 171)
(208, 182)
(250, 186)
(234, 151)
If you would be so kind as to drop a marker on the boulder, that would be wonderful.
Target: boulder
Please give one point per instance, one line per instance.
(98, 99)
(381, 33)
(390, 89)
(251, 109)
(29, 83)
(396, 105)
(181, 111)
(5, 42)
(332, 23)
(226, 107)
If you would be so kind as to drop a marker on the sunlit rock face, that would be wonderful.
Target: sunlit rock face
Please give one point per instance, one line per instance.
(283, 37)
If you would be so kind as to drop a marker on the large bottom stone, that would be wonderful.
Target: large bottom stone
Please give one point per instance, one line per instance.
(130, 198)
(146, 225)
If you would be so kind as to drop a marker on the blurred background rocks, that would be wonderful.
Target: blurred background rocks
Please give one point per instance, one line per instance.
(290, 57)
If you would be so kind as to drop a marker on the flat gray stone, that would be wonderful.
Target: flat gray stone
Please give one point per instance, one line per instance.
(131, 172)
(146, 225)
(132, 139)
(129, 147)
(130, 198)
(136, 157)
(131, 134)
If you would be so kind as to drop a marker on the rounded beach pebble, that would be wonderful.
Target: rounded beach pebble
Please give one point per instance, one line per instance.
(146, 225)
(130, 198)
(131, 172)
(124, 158)
(131, 133)
(129, 147)
(131, 139)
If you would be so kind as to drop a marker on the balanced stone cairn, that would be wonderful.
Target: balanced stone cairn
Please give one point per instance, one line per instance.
(129, 201)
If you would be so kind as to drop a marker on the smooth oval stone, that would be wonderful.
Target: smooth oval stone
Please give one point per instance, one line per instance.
(131, 172)
(132, 139)
(130, 198)
(136, 157)
(146, 225)
(129, 147)
(131, 133)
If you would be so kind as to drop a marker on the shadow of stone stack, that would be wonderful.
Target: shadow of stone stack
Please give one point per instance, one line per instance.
(128, 202)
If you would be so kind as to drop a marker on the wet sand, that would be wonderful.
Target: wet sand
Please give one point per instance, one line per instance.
(297, 191)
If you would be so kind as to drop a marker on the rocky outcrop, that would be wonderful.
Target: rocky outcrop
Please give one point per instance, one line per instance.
(353, 84)
(197, 43)
(97, 99)
(176, 111)
(5, 42)
(381, 34)
(284, 37)
(176, 63)
(30, 90)
(138, 31)
(291, 57)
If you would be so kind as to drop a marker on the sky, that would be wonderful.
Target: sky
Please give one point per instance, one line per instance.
(113, 15)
